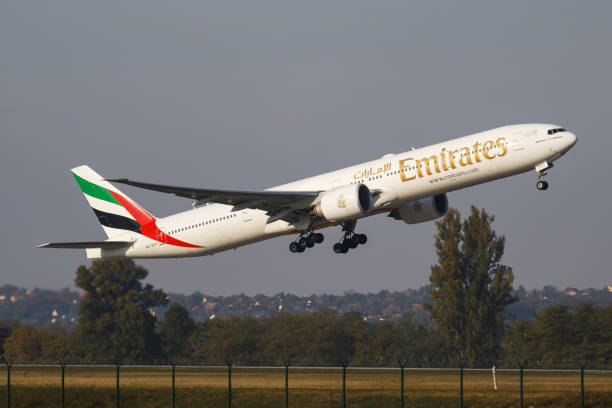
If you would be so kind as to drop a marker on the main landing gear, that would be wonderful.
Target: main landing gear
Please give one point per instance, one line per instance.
(307, 239)
(350, 239)
(541, 169)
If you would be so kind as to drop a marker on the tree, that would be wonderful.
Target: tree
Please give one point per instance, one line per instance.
(470, 287)
(115, 318)
(7, 327)
(332, 339)
(345, 336)
(387, 345)
(555, 336)
(587, 332)
(516, 344)
(605, 350)
(28, 344)
(285, 337)
(176, 330)
(231, 341)
(24, 345)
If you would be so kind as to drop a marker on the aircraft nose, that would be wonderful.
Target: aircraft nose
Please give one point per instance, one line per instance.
(570, 140)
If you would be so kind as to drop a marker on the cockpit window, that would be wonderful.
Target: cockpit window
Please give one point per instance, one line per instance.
(553, 131)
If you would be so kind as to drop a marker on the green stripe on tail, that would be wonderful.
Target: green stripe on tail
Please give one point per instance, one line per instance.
(95, 191)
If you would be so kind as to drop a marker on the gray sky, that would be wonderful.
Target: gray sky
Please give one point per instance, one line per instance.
(248, 95)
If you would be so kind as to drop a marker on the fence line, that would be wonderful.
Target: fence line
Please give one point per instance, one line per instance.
(338, 367)
(343, 367)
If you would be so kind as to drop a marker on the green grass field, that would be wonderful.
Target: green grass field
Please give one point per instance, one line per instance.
(252, 387)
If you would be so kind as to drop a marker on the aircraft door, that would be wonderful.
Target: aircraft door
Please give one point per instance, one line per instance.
(161, 237)
(517, 141)
(246, 215)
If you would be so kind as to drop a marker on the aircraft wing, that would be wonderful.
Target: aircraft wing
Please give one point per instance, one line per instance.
(269, 201)
(85, 245)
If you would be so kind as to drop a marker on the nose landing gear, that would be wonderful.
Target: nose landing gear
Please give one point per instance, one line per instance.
(541, 169)
(542, 185)
(350, 240)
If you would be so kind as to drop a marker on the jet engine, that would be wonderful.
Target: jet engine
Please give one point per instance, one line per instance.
(426, 209)
(344, 203)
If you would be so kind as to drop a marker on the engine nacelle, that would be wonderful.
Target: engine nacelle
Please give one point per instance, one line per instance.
(426, 209)
(344, 203)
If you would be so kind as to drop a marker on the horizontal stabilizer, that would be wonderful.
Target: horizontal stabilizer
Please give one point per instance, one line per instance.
(85, 245)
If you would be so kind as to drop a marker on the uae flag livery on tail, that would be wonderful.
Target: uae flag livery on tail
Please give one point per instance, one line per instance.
(113, 217)
(116, 212)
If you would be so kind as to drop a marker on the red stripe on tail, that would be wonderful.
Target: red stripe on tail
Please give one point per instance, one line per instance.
(148, 227)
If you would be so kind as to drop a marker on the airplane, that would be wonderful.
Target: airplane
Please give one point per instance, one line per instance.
(411, 187)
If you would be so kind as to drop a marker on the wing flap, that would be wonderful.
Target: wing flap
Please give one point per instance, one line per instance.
(87, 245)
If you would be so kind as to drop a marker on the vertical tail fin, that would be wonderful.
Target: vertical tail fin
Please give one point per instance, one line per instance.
(116, 212)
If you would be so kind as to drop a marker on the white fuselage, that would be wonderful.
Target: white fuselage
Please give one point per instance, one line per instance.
(442, 167)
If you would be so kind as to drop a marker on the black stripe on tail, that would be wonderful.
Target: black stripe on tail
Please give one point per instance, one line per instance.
(117, 221)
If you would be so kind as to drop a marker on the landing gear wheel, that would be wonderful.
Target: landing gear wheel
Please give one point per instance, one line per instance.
(310, 242)
(306, 239)
(350, 239)
(542, 185)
